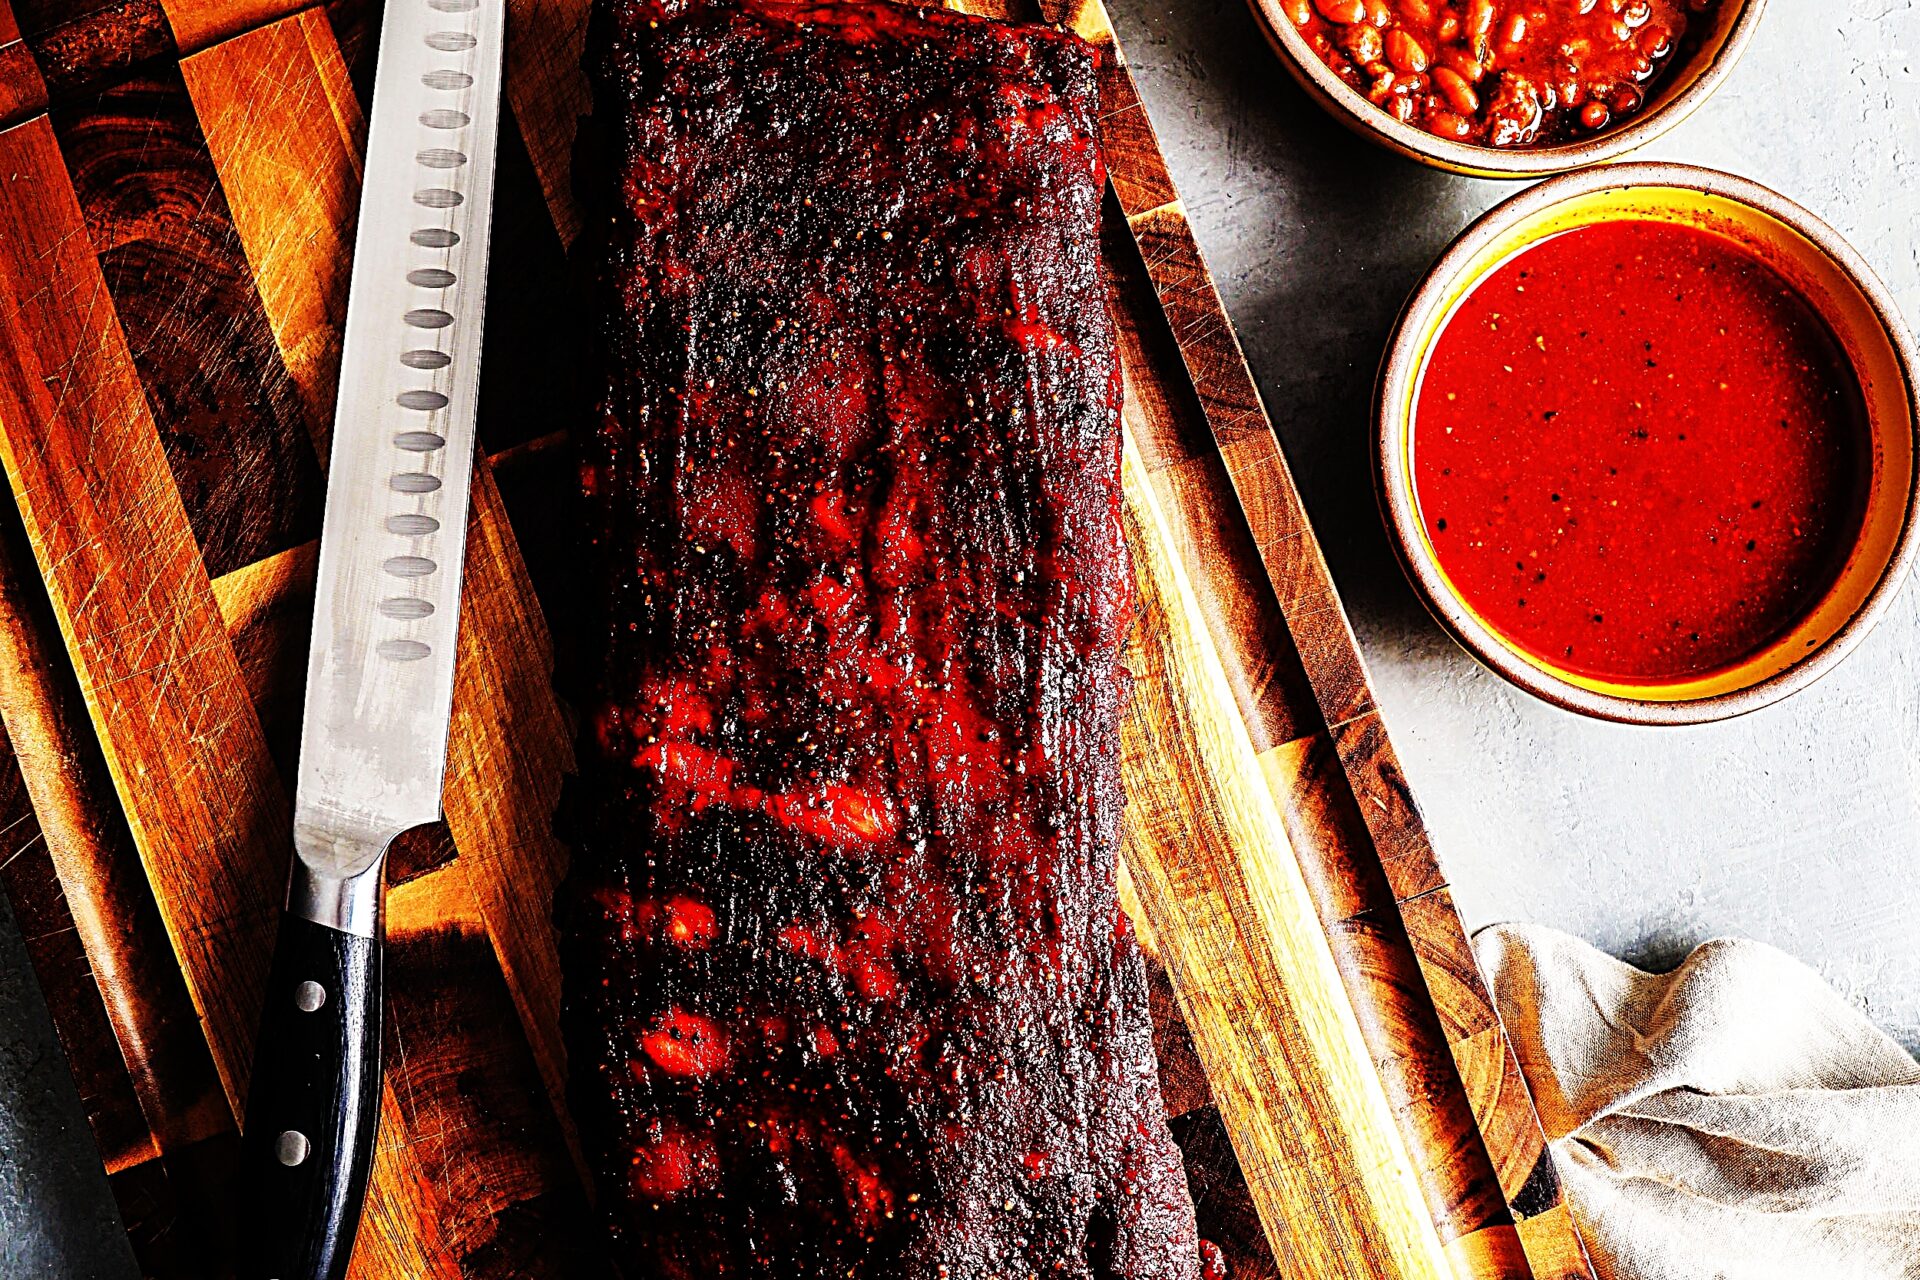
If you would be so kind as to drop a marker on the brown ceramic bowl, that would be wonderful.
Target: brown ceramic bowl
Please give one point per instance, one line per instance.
(1826, 271)
(1674, 99)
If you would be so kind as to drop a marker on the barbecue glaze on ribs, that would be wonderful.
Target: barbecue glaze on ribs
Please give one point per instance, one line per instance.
(849, 993)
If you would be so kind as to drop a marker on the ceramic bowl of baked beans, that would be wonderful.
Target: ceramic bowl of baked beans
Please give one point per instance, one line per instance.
(1510, 88)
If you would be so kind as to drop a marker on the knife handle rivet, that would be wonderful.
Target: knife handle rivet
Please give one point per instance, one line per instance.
(292, 1148)
(309, 996)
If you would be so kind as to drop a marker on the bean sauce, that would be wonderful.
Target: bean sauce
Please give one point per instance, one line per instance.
(1639, 453)
(1502, 73)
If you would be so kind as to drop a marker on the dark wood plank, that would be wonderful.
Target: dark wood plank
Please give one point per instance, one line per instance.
(23, 91)
(1221, 1202)
(234, 429)
(84, 45)
(522, 1212)
(177, 1210)
(536, 381)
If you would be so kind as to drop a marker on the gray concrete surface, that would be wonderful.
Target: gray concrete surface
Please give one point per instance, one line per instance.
(1799, 825)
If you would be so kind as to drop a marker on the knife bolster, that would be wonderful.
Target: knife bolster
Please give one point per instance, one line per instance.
(349, 901)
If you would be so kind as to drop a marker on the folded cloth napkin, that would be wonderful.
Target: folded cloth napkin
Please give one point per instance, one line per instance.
(1734, 1119)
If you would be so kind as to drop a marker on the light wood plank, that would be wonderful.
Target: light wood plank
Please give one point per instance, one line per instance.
(1250, 964)
(286, 135)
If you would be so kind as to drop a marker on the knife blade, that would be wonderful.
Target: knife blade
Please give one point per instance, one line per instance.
(386, 615)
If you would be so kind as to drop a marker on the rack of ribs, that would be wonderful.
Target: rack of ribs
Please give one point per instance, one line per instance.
(848, 989)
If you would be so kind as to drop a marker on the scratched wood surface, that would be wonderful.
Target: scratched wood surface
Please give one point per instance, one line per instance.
(178, 182)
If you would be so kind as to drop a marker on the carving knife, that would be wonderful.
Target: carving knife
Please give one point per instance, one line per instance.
(386, 614)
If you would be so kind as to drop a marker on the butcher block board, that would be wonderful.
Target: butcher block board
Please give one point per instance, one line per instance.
(178, 185)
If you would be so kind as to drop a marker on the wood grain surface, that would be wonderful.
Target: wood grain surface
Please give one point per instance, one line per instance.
(178, 186)
(1235, 925)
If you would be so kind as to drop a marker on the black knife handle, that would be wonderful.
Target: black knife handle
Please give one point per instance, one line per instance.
(313, 1105)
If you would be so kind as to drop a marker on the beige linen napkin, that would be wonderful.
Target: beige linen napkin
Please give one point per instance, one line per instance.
(1734, 1119)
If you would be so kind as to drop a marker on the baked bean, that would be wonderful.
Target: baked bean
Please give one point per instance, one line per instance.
(1458, 93)
(1502, 73)
(1464, 64)
(1405, 52)
(1480, 17)
(1363, 42)
(1344, 12)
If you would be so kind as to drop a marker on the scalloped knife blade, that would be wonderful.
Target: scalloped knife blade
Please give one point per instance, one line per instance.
(386, 609)
(386, 616)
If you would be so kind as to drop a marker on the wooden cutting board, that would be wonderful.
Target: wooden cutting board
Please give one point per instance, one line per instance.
(178, 181)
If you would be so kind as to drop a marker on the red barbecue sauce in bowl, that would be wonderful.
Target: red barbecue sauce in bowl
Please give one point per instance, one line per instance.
(1639, 454)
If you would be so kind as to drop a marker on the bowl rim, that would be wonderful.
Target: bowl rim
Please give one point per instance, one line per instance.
(1349, 106)
(1393, 489)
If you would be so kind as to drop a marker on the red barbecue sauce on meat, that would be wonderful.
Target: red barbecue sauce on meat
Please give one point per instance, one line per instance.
(1639, 452)
(849, 992)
